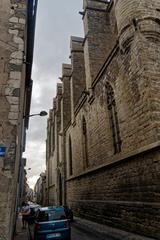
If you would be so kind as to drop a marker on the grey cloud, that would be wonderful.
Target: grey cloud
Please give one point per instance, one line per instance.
(56, 22)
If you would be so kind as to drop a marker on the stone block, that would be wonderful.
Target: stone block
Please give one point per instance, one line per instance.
(13, 20)
(13, 100)
(13, 31)
(22, 21)
(13, 122)
(13, 116)
(13, 83)
(18, 40)
(21, 47)
(16, 61)
(14, 108)
(17, 55)
(15, 75)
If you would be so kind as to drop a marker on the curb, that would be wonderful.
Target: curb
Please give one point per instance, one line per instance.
(106, 232)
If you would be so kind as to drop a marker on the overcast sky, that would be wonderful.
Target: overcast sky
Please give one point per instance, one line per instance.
(56, 22)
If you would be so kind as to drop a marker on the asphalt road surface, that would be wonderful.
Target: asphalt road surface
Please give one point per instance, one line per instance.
(84, 234)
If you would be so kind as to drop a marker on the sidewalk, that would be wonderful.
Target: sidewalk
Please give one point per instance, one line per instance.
(21, 234)
(106, 232)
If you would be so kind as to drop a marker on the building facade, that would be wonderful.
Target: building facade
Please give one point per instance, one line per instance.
(103, 137)
(17, 24)
(53, 160)
(40, 190)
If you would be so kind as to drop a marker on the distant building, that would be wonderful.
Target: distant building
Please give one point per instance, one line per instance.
(44, 190)
(17, 25)
(30, 195)
(103, 134)
(40, 190)
(52, 159)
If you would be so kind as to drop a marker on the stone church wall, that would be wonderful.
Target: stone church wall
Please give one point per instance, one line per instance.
(117, 188)
(123, 195)
(110, 152)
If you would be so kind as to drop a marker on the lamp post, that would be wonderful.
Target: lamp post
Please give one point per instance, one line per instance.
(42, 114)
(21, 165)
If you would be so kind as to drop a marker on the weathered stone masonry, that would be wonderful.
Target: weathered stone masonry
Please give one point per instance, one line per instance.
(111, 150)
(15, 94)
(11, 56)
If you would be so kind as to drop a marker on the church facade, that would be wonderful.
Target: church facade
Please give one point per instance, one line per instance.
(103, 142)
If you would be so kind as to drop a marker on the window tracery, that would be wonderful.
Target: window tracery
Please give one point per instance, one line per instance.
(70, 157)
(85, 143)
(113, 118)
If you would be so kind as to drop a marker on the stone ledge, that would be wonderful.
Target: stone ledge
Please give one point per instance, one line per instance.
(122, 203)
(118, 158)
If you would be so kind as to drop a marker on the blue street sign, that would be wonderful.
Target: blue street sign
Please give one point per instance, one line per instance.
(2, 151)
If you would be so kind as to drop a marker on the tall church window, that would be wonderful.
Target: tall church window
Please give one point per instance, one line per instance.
(70, 157)
(84, 143)
(113, 118)
(50, 138)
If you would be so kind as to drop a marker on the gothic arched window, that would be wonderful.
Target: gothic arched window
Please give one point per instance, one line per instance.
(111, 104)
(70, 157)
(84, 143)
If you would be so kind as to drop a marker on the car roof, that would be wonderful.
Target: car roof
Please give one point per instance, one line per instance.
(50, 208)
(34, 206)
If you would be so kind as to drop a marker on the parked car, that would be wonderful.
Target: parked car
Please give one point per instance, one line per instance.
(52, 223)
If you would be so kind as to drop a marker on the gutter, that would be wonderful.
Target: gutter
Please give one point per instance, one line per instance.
(31, 24)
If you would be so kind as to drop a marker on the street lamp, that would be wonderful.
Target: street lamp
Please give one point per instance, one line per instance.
(42, 114)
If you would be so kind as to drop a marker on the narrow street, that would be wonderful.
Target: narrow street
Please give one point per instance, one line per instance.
(83, 230)
(79, 233)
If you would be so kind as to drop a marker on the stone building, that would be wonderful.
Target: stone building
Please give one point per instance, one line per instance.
(103, 137)
(40, 190)
(44, 189)
(53, 153)
(17, 24)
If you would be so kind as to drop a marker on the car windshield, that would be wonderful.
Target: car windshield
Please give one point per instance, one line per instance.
(51, 215)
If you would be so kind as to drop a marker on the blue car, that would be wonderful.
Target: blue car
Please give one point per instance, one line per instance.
(52, 223)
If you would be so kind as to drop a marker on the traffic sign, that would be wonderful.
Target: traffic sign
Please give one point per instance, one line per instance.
(2, 151)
